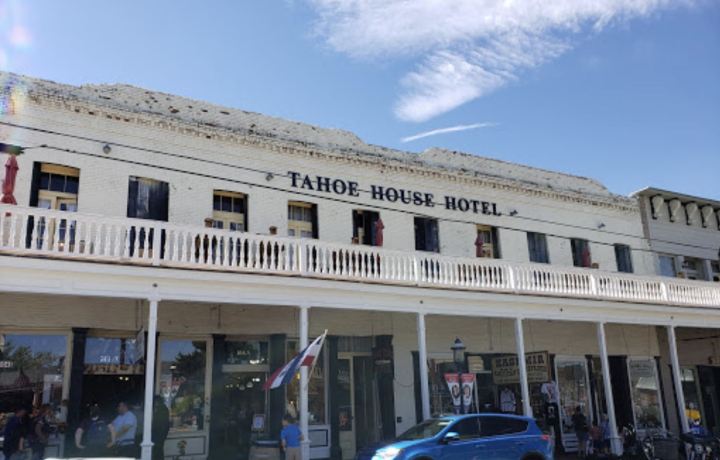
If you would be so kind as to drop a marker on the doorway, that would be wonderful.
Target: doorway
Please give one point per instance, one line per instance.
(108, 390)
(245, 402)
(709, 377)
(574, 389)
(357, 397)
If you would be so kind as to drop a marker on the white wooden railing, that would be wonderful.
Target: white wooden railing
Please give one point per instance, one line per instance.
(57, 234)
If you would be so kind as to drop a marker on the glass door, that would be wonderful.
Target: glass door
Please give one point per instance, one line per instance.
(574, 389)
(346, 406)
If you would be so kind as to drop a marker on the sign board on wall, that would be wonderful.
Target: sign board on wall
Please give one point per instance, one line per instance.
(505, 368)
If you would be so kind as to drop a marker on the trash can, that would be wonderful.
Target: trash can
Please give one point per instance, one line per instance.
(265, 450)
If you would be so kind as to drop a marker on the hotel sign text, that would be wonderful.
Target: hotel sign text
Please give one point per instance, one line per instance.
(387, 194)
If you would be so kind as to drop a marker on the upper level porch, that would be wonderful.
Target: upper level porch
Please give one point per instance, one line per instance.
(41, 233)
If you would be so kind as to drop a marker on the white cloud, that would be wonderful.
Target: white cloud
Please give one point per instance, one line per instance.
(466, 49)
(451, 129)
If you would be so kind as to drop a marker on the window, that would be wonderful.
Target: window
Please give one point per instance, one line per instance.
(499, 426)
(302, 219)
(246, 352)
(691, 390)
(31, 371)
(426, 234)
(693, 268)
(467, 428)
(667, 266)
(316, 387)
(229, 211)
(181, 382)
(645, 392)
(623, 256)
(148, 199)
(107, 355)
(581, 252)
(365, 226)
(715, 267)
(537, 247)
(57, 187)
(486, 242)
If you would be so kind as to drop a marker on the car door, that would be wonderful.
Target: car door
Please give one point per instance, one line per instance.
(504, 438)
(467, 446)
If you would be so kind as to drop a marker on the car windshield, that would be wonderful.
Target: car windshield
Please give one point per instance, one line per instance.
(426, 429)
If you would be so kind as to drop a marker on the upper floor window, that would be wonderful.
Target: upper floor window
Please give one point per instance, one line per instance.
(148, 199)
(55, 187)
(229, 210)
(693, 268)
(366, 227)
(426, 234)
(302, 219)
(623, 256)
(486, 242)
(667, 266)
(537, 248)
(581, 252)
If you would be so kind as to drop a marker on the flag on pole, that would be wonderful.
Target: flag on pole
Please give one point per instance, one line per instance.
(307, 357)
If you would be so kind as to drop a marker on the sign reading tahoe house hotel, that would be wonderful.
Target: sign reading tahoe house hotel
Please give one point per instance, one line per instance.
(344, 187)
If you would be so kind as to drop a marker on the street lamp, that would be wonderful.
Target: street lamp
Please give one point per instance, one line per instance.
(458, 349)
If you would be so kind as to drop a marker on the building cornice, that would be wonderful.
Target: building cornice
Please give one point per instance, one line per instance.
(248, 138)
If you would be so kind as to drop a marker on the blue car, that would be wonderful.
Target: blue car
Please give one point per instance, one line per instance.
(467, 437)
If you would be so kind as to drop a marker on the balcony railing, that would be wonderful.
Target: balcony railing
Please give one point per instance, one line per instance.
(64, 235)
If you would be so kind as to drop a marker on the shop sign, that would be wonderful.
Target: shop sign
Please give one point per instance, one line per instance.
(6, 364)
(506, 371)
(114, 369)
(343, 187)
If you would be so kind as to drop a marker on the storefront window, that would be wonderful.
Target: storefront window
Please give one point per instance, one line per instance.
(31, 372)
(316, 390)
(574, 389)
(246, 352)
(645, 390)
(182, 382)
(112, 356)
(692, 397)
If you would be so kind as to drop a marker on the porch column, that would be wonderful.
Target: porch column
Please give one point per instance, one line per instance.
(675, 362)
(522, 367)
(615, 441)
(304, 424)
(150, 378)
(422, 362)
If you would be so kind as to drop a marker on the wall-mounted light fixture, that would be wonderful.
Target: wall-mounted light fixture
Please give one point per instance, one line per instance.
(513, 212)
(107, 149)
(269, 176)
(601, 225)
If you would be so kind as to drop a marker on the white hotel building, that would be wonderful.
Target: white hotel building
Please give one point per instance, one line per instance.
(107, 258)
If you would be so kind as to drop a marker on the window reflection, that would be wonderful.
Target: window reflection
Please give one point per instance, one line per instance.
(645, 390)
(246, 352)
(31, 372)
(316, 389)
(182, 382)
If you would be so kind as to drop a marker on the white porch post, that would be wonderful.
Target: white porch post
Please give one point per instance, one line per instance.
(615, 441)
(522, 367)
(304, 421)
(675, 362)
(422, 361)
(149, 378)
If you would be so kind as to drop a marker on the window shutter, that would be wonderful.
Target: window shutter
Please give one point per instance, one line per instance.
(35, 184)
(162, 201)
(132, 197)
(315, 230)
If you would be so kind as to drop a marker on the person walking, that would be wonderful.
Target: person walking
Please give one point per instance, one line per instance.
(40, 432)
(122, 432)
(15, 435)
(160, 428)
(93, 435)
(290, 439)
(580, 425)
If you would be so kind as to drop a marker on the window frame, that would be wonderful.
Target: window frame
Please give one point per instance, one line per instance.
(578, 259)
(427, 223)
(620, 248)
(492, 232)
(225, 219)
(369, 218)
(300, 226)
(536, 237)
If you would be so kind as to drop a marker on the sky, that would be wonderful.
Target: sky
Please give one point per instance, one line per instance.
(624, 91)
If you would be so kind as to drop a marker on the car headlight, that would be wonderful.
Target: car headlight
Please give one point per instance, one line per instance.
(386, 453)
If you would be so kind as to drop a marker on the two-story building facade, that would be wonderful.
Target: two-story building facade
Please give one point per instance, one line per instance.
(207, 244)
